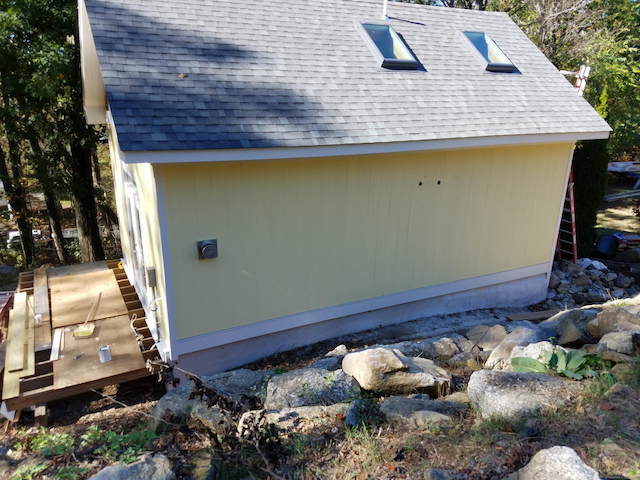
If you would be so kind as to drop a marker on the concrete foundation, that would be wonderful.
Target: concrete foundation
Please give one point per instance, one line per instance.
(516, 293)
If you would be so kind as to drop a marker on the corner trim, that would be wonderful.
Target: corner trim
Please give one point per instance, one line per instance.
(284, 153)
(193, 344)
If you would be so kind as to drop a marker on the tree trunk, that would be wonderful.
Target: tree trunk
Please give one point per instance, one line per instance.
(16, 198)
(84, 204)
(53, 211)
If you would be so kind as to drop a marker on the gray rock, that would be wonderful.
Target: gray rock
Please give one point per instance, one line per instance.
(557, 463)
(582, 280)
(310, 386)
(621, 342)
(203, 464)
(612, 319)
(218, 421)
(572, 327)
(8, 270)
(533, 350)
(596, 296)
(352, 417)
(458, 397)
(554, 281)
(500, 355)
(572, 269)
(234, 384)
(445, 347)
(438, 474)
(461, 359)
(551, 295)
(489, 338)
(511, 326)
(623, 281)
(564, 287)
(148, 467)
(389, 371)
(328, 363)
(617, 293)
(511, 395)
(289, 417)
(629, 256)
(610, 277)
(477, 333)
(339, 351)
(559, 273)
(419, 411)
(579, 298)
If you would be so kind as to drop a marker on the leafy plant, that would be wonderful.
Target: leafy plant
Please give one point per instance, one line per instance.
(571, 364)
(52, 444)
(122, 447)
(27, 472)
(71, 473)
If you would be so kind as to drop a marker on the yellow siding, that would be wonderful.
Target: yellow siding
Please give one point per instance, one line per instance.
(299, 235)
(149, 223)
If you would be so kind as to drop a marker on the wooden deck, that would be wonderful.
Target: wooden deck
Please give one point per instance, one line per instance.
(62, 298)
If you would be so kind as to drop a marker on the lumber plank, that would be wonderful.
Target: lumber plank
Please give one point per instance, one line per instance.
(41, 307)
(17, 334)
(532, 316)
(30, 342)
(11, 383)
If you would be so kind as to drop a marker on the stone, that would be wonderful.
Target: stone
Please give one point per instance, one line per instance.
(490, 339)
(579, 298)
(598, 265)
(554, 281)
(623, 281)
(557, 463)
(582, 280)
(624, 373)
(463, 359)
(533, 350)
(215, 419)
(339, 351)
(235, 384)
(438, 474)
(289, 417)
(459, 397)
(420, 411)
(585, 262)
(559, 273)
(615, 357)
(563, 287)
(612, 319)
(500, 355)
(148, 467)
(551, 295)
(572, 269)
(611, 276)
(328, 363)
(572, 327)
(621, 342)
(512, 396)
(352, 416)
(477, 333)
(8, 270)
(629, 256)
(511, 326)
(596, 296)
(445, 347)
(203, 464)
(389, 371)
(310, 386)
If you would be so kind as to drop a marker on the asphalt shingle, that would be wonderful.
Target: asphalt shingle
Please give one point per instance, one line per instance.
(296, 73)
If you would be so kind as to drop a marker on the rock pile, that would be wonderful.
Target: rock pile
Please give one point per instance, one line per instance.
(588, 282)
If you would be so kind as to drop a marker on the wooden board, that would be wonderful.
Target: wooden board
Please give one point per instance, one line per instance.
(17, 334)
(11, 383)
(72, 297)
(532, 316)
(41, 307)
(30, 342)
(125, 354)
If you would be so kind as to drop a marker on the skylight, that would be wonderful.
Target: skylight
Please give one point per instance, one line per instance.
(388, 47)
(495, 59)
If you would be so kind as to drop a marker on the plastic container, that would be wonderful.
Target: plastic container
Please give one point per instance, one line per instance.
(606, 247)
(105, 354)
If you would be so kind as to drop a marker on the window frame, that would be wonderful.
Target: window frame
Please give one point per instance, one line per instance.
(385, 62)
(490, 66)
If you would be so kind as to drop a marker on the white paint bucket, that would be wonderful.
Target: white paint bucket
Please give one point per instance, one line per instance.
(105, 354)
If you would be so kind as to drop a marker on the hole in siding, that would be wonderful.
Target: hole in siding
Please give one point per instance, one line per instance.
(438, 182)
(420, 183)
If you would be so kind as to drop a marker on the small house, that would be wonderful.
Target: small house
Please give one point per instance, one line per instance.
(290, 171)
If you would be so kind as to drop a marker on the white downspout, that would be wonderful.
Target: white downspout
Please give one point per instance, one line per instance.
(384, 10)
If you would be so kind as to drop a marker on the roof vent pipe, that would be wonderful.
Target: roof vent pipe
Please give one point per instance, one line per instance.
(384, 10)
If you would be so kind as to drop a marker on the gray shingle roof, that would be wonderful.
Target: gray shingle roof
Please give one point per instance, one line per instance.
(283, 73)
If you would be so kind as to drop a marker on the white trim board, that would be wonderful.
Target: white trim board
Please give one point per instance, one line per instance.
(265, 327)
(284, 153)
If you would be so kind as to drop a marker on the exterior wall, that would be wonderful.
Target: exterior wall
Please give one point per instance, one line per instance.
(299, 235)
(94, 94)
(143, 176)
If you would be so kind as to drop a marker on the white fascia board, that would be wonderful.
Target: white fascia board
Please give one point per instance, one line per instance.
(283, 153)
(266, 327)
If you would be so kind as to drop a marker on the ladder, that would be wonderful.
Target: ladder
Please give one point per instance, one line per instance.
(567, 238)
(567, 233)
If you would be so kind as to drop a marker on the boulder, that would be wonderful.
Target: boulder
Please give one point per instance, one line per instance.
(353, 414)
(629, 256)
(533, 350)
(624, 373)
(621, 342)
(557, 463)
(458, 397)
(445, 347)
(310, 386)
(339, 351)
(389, 371)
(512, 396)
(420, 411)
(612, 319)
(328, 363)
(234, 384)
(572, 327)
(500, 355)
(465, 359)
(487, 338)
(148, 467)
(215, 419)
(289, 417)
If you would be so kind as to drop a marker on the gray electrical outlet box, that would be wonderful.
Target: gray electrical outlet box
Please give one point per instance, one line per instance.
(151, 277)
(207, 249)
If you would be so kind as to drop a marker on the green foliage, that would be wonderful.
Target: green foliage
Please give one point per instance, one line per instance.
(590, 162)
(27, 472)
(121, 447)
(71, 473)
(52, 444)
(571, 364)
(280, 370)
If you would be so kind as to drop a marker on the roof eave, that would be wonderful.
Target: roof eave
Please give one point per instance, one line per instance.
(284, 153)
